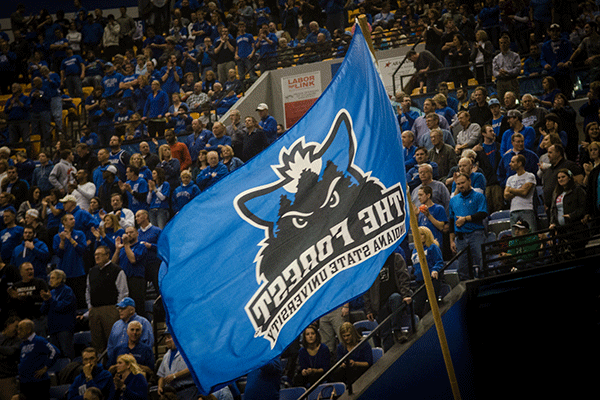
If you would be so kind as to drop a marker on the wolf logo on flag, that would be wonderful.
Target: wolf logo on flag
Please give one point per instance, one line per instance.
(320, 194)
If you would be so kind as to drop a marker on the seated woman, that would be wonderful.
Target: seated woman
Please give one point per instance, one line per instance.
(130, 383)
(313, 358)
(358, 362)
(231, 162)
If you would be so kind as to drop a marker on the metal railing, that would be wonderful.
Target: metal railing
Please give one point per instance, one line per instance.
(375, 331)
(541, 248)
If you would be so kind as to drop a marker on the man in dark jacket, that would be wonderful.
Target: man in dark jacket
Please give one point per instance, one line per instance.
(386, 295)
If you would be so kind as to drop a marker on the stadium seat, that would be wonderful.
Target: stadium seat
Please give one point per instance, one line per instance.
(291, 393)
(499, 226)
(502, 214)
(81, 340)
(365, 326)
(505, 234)
(58, 392)
(325, 391)
(377, 354)
(56, 368)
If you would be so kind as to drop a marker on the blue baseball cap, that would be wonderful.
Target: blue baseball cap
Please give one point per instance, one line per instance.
(126, 302)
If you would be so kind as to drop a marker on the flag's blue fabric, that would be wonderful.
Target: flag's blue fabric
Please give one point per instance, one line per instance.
(295, 232)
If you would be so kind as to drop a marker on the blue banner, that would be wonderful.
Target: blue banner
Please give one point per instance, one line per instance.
(298, 230)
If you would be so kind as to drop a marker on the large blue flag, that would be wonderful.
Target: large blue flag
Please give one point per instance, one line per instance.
(303, 227)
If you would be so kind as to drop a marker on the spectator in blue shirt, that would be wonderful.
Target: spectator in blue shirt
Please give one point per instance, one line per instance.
(17, 107)
(213, 173)
(170, 76)
(244, 51)
(91, 33)
(131, 256)
(267, 122)
(184, 192)
(111, 83)
(155, 109)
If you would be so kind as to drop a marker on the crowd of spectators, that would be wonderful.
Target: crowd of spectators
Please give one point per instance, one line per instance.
(80, 223)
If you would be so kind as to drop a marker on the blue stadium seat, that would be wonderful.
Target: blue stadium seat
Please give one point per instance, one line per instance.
(498, 215)
(326, 390)
(377, 354)
(292, 393)
(365, 326)
(504, 234)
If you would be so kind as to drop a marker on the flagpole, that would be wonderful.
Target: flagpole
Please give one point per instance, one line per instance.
(435, 310)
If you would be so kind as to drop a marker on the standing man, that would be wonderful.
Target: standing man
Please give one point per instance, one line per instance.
(131, 256)
(37, 356)
(506, 67)
(515, 120)
(519, 191)
(11, 235)
(197, 140)
(63, 173)
(151, 159)
(118, 334)
(267, 122)
(441, 153)
(179, 150)
(72, 73)
(426, 65)
(468, 209)
(17, 107)
(26, 297)
(136, 189)
(9, 358)
(224, 54)
(32, 250)
(148, 235)
(70, 246)
(518, 147)
(118, 157)
(469, 135)
(106, 286)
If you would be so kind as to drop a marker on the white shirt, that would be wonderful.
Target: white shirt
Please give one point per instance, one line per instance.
(83, 194)
(517, 181)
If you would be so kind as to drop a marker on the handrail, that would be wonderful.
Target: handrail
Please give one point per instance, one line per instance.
(376, 330)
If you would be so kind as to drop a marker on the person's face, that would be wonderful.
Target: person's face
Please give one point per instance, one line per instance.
(514, 163)
(428, 107)
(528, 103)
(463, 184)
(594, 131)
(407, 139)
(521, 231)
(186, 179)
(518, 143)
(132, 176)
(509, 100)
(425, 175)
(134, 332)
(310, 335)
(594, 152)
(225, 152)
(456, 41)
(489, 134)
(132, 233)
(169, 136)
(154, 176)
(463, 119)
(347, 337)
(121, 366)
(513, 121)
(479, 97)
(495, 109)
(69, 221)
(23, 330)
(263, 113)
(108, 222)
(563, 179)
(420, 156)
(116, 203)
(166, 152)
(101, 256)
(169, 342)
(126, 312)
(12, 175)
(423, 237)
(553, 155)
(8, 217)
(144, 148)
(235, 117)
(464, 166)
(218, 130)
(551, 125)
(27, 272)
(212, 159)
(114, 141)
(54, 280)
(28, 234)
(141, 218)
(154, 86)
(436, 137)
(423, 198)
(504, 45)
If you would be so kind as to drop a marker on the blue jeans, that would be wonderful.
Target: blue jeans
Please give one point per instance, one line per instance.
(474, 240)
(393, 303)
(56, 107)
(40, 124)
(159, 217)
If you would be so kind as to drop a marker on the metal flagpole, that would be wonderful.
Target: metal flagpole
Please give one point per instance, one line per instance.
(435, 310)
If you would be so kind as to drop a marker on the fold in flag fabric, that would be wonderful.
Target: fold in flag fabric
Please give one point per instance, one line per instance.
(300, 229)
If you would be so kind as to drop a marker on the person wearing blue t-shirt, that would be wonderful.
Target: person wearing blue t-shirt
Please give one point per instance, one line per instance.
(468, 209)
(478, 181)
(155, 109)
(159, 194)
(185, 192)
(244, 51)
(431, 215)
(136, 189)
(213, 173)
(170, 76)
(111, 82)
(515, 120)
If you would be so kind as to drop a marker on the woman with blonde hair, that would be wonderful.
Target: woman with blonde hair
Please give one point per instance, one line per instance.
(358, 362)
(137, 160)
(130, 383)
(108, 231)
(231, 162)
(170, 164)
(435, 263)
